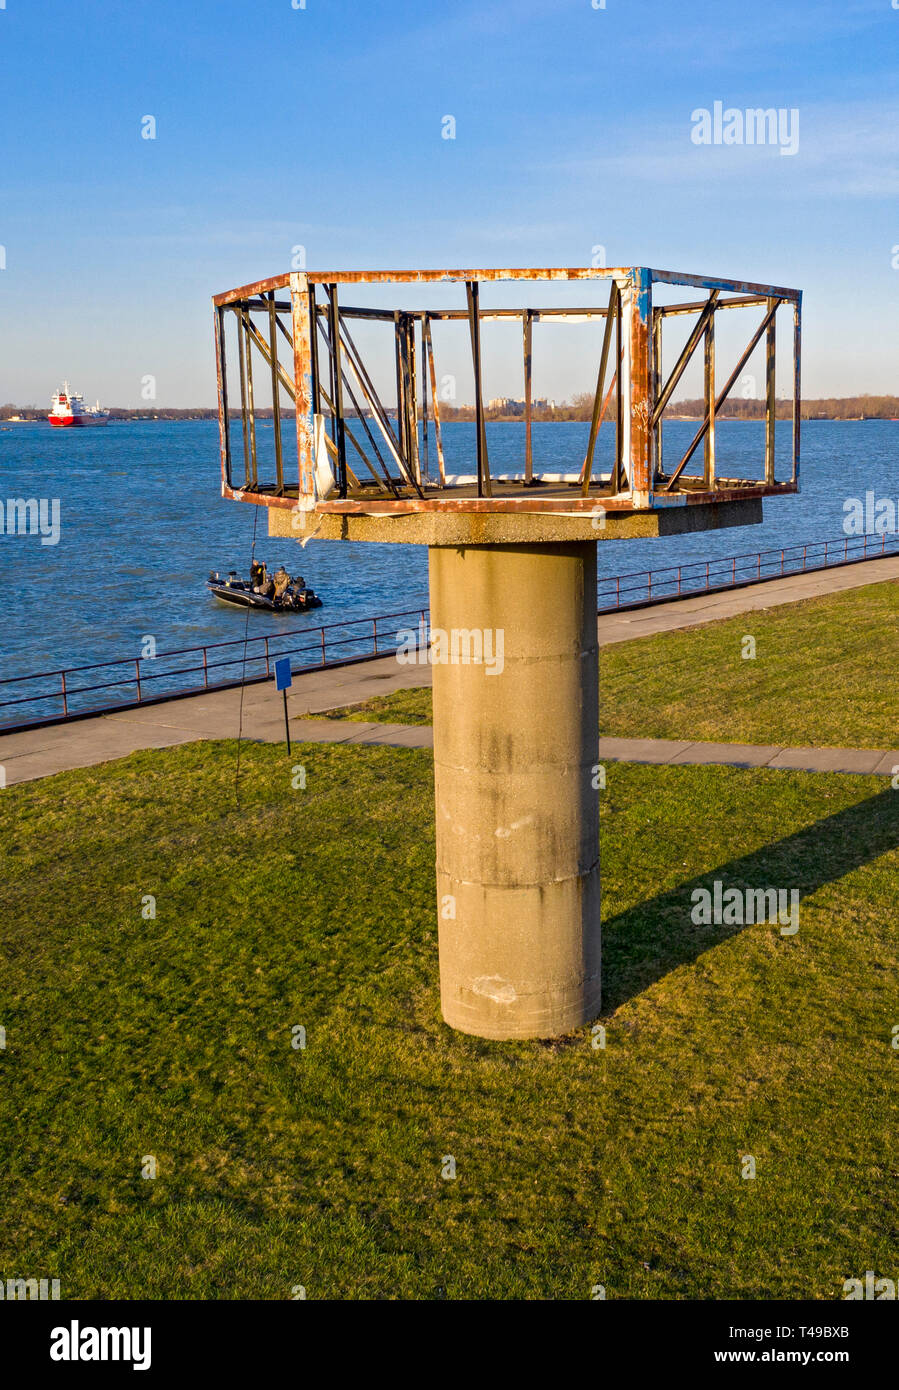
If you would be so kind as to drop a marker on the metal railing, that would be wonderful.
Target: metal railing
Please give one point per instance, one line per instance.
(217, 666)
(140, 680)
(644, 587)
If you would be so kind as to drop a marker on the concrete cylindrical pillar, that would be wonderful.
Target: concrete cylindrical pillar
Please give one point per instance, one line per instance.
(516, 743)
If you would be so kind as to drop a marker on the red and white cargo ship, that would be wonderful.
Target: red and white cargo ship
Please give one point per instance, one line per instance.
(68, 408)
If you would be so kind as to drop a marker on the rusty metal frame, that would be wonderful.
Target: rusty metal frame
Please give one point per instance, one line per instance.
(638, 482)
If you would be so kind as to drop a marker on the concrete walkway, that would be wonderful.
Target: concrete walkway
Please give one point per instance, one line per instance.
(217, 714)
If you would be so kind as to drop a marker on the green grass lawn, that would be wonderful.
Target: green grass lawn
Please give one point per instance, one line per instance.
(128, 1037)
(412, 706)
(825, 674)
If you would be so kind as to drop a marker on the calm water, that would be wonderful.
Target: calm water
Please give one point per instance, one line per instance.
(142, 523)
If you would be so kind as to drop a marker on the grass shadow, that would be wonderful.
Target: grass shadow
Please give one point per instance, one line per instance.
(647, 941)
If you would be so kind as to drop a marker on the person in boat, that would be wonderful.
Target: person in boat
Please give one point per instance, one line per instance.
(281, 582)
(259, 579)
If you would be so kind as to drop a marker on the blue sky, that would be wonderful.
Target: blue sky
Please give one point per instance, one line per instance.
(322, 127)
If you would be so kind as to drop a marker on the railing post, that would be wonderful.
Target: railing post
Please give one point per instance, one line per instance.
(324, 660)
(205, 671)
(374, 625)
(268, 670)
(65, 698)
(137, 674)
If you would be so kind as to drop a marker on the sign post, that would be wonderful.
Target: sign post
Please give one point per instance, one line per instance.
(283, 682)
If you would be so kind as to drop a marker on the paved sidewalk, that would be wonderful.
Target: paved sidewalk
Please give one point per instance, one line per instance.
(217, 714)
(671, 752)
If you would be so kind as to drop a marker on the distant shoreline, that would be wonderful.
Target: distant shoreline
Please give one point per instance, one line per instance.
(163, 419)
(850, 409)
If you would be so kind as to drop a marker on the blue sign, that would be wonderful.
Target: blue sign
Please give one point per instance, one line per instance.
(283, 678)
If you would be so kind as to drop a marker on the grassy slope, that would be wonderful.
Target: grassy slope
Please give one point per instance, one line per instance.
(825, 674)
(128, 1037)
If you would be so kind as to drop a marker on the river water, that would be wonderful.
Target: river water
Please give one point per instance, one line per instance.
(142, 523)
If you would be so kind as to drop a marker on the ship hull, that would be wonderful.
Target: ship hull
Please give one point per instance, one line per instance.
(74, 421)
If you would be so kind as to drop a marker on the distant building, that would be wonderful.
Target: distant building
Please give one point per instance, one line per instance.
(514, 405)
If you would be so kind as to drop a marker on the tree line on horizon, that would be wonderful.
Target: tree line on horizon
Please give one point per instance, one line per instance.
(579, 408)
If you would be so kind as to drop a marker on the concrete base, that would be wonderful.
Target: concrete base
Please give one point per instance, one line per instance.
(516, 743)
(510, 528)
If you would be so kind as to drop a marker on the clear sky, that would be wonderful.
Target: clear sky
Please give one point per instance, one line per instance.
(324, 127)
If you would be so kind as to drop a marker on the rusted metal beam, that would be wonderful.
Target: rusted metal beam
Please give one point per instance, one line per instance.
(302, 330)
(687, 351)
(709, 379)
(253, 335)
(386, 481)
(701, 432)
(313, 352)
(582, 315)
(411, 395)
(249, 334)
(742, 301)
(400, 411)
(613, 315)
(528, 336)
(431, 277)
(712, 282)
(337, 387)
(380, 415)
(257, 288)
(770, 394)
(471, 289)
(797, 387)
(657, 326)
(221, 381)
(426, 461)
(547, 273)
(698, 497)
(641, 411)
(618, 468)
(446, 502)
(244, 418)
(276, 391)
(432, 371)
